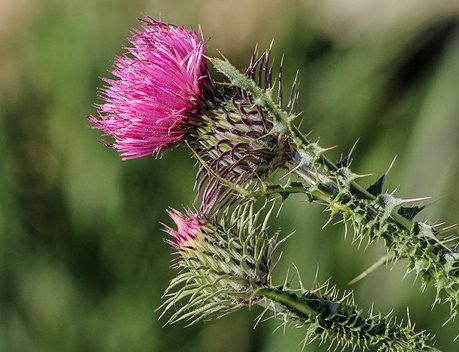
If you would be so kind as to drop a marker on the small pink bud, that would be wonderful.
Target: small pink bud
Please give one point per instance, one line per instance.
(189, 228)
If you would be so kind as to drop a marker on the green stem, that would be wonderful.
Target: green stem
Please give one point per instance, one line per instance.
(354, 188)
(287, 299)
(340, 321)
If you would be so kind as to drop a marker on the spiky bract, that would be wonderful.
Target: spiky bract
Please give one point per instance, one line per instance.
(237, 140)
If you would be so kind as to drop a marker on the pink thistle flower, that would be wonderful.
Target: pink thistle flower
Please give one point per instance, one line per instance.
(189, 228)
(161, 81)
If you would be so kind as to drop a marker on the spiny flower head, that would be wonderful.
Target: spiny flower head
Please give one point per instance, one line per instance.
(161, 81)
(238, 140)
(220, 262)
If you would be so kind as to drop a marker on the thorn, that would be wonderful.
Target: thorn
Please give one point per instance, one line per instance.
(420, 199)
(269, 84)
(448, 228)
(298, 276)
(293, 94)
(376, 188)
(286, 277)
(373, 267)
(279, 89)
(328, 221)
(316, 277)
(391, 164)
(291, 171)
(344, 162)
(347, 160)
(448, 320)
(279, 210)
(362, 175)
(327, 149)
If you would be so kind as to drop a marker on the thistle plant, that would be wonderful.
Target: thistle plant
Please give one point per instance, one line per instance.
(164, 97)
(431, 251)
(248, 147)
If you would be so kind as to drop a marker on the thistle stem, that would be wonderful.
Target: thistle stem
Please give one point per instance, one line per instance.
(288, 299)
(354, 188)
(340, 320)
(372, 216)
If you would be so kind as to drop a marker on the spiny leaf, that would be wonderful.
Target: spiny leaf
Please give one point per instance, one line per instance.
(376, 188)
(410, 212)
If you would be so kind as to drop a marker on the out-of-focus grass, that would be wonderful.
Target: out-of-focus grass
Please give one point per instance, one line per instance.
(82, 260)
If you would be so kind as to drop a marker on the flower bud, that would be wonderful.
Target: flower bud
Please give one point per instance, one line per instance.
(220, 264)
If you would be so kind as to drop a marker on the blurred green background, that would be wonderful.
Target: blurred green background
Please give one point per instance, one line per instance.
(83, 263)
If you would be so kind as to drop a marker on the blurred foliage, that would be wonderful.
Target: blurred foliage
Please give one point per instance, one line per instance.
(82, 259)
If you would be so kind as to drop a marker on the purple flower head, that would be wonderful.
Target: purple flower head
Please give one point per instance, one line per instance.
(162, 77)
(189, 228)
